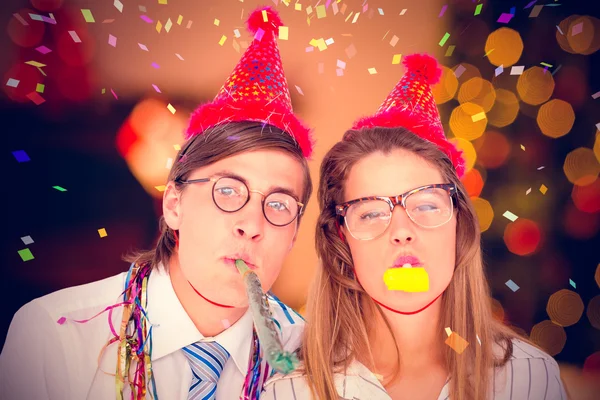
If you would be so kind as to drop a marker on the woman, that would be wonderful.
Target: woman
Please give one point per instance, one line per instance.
(400, 307)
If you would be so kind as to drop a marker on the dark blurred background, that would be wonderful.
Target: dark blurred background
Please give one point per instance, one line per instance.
(95, 102)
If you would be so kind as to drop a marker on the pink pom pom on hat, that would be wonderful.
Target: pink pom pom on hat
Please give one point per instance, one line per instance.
(257, 89)
(410, 105)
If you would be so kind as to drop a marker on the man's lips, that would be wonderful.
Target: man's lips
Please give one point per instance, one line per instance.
(407, 262)
(231, 261)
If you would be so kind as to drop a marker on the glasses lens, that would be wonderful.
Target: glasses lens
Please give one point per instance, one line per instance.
(430, 207)
(230, 194)
(280, 208)
(368, 219)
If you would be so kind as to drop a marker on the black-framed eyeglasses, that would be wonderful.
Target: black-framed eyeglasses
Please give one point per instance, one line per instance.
(231, 195)
(428, 206)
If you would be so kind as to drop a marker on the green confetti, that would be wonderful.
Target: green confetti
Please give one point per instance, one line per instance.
(59, 188)
(26, 254)
(572, 284)
(444, 39)
(40, 88)
(450, 50)
(546, 64)
(478, 9)
(87, 15)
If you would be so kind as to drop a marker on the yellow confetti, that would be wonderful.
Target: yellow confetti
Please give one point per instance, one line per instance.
(180, 20)
(160, 188)
(448, 331)
(321, 12)
(543, 189)
(158, 26)
(457, 343)
(283, 32)
(162, 1)
(171, 108)
(372, 71)
(321, 44)
(168, 25)
(223, 39)
(313, 42)
(298, 7)
(265, 16)
(177, 147)
(522, 147)
(87, 15)
(309, 10)
(478, 116)
(349, 15)
(217, 22)
(35, 64)
(102, 232)
(396, 59)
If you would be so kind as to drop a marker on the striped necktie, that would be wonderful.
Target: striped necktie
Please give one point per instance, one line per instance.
(207, 360)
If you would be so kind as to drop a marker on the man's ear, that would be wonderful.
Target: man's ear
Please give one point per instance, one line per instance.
(172, 206)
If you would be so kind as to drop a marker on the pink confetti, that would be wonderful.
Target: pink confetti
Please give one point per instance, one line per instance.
(155, 65)
(365, 8)
(75, 36)
(459, 71)
(179, 56)
(143, 47)
(112, 40)
(146, 19)
(505, 18)
(156, 88)
(114, 94)
(530, 4)
(299, 90)
(43, 49)
(577, 29)
(339, 72)
(351, 51)
(309, 49)
(443, 10)
(36, 98)
(108, 21)
(20, 19)
(61, 320)
(259, 34)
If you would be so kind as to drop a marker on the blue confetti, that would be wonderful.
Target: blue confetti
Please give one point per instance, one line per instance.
(512, 286)
(572, 284)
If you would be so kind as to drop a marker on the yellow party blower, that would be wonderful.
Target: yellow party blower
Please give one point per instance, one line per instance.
(414, 279)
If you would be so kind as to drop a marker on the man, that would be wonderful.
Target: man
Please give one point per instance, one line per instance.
(177, 324)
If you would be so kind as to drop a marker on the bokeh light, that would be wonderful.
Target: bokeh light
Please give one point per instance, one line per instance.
(522, 237)
(584, 35)
(47, 5)
(504, 47)
(469, 153)
(497, 310)
(592, 364)
(565, 307)
(535, 85)
(478, 91)
(593, 312)
(555, 118)
(446, 88)
(505, 109)
(572, 86)
(581, 166)
(580, 225)
(549, 336)
(485, 212)
(597, 275)
(468, 121)
(473, 182)
(492, 148)
(597, 146)
(466, 71)
(25, 35)
(587, 198)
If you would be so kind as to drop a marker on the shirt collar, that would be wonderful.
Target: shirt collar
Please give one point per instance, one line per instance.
(173, 329)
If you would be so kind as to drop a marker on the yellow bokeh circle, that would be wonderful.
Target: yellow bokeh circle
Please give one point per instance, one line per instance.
(555, 118)
(535, 85)
(485, 212)
(504, 47)
(581, 166)
(478, 91)
(446, 88)
(468, 121)
(505, 110)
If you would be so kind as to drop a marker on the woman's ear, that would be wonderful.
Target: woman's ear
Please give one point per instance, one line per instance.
(172, 206)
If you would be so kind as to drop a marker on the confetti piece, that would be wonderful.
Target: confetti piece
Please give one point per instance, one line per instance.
(283, 32)
(179, 20)
(536, 11)
(147, 19)
(396, 59)
(339, 72)
(43, 50)
(36, 98)
(348, 17)
(299, 90)
(171, 108)
(258, 35)
(59, 188)
(216, 22)
(522, 147)
(596, 95)
(159, 26)
(155, 65)
(510, 216)
(570, 282)
(321, 12)
(143, 47)
(478, 340)
(298, 7)
(394, 41)
(118, 5)
(444, 39)
(577, 29)
(160, 188)
(513, 10)
(156, 88)
(351, 51)
(39, 88)
(403, 11)
(341, 64)
(355, 17)
(478, 116)
(112, 40)
(499, 70)
(459, 71)
(87, 15)
(457, 343)
(142, 8)
(528, 191)
(169, 163)
(189, 25)
(517, 70)
(114, 94)
(36, 17)
(162, 1)
(26, 254)
(102, 232)
(448, 331)
(505, 18)
(488, 53)
(380, 11)
(543, 189)
(223, 39)
(329, 42)
(529, 4)
(541, 168)
(443, 11)
(21, 156)
(450, 51)
(35, 64)
(372, 71)
(512, 286)
(168, 25)
(309, 10)
(27, 240)
(561, 32)
(177, 147)
(478, 9)
(321, 68)
(546, 64)
(20, 19)
(179, 56)
(265, 16)
(236, 33)
(15, 82)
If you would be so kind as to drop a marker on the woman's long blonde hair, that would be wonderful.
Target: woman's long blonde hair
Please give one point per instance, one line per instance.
(341, 315)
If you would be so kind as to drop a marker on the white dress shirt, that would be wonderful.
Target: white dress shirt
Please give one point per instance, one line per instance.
(529, 374)
(42, 359)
